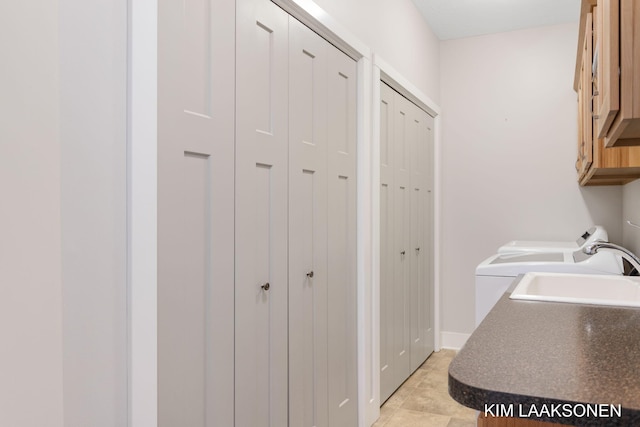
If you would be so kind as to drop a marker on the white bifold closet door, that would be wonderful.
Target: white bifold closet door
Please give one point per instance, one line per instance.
(195, 213)
(401, 237)
(295, 224)
(420, 247)
(308, 315)
(322, 213)
(261, 265)
(387, 247)
(341, 209)
(406, 276)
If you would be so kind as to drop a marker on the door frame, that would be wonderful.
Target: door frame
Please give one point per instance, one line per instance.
(142, 207)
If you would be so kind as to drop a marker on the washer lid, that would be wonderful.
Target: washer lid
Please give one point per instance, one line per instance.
(591, 235)
(603, 262)
(528, 257)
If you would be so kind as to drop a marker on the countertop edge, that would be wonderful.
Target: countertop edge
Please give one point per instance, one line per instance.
(504, 404)
(522, 405)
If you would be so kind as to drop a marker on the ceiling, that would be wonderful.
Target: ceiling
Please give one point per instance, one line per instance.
(452, 19)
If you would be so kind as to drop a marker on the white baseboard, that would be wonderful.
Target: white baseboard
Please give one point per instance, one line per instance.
(453, 340)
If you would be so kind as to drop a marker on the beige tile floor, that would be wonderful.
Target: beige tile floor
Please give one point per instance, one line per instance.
(423, 399)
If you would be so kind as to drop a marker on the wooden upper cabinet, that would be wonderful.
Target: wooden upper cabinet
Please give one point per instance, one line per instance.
(606, 127)
(615, 70)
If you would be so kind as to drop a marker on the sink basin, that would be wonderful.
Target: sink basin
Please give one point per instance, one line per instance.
(579, 288)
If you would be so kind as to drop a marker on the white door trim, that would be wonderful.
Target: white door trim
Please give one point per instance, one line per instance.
(314, 17)
(382, 71)
(142, 178)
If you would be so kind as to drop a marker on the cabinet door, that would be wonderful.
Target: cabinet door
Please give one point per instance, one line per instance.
(387, 243)
(402, 238)
(261, 297)
(308, 275)
(608, 64)
(587, 104)
(342, 330)
(195, 213)
(625, 129)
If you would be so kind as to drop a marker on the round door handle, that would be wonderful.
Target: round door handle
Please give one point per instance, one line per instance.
(418, 249)
(266, 286)
(402, 252)
(310, 274)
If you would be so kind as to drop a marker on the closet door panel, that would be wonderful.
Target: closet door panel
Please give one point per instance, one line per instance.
(401, 292)
(342, 330)
(402, 229)
(418, 284)
(421, 238)
(387, 244)
(418, 289)
(195, 213)
(422, 334)
(426, 153)
(307, 227)
(261, 298)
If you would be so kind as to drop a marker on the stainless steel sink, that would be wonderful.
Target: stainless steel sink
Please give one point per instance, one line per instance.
(579, 288)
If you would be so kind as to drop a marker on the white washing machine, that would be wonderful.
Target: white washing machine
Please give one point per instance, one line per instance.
(591, 235)
(495, 274)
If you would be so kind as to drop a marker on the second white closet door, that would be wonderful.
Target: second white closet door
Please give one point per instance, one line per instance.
(295, 341)
(387, 246)
(322, 226)
(421, 239)
(406, 242)
(402, 236)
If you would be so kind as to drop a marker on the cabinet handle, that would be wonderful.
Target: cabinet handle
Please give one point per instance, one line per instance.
(417, 249)
(402, 252)
(310, 274)
(266, 286)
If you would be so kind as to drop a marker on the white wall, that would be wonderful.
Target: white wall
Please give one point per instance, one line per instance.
(509, 129)
(631, 212)
(63, 216)
(93, 108)
(397, 32)
(30, 276)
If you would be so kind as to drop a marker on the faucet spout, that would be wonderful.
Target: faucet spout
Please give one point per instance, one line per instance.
(624, 252)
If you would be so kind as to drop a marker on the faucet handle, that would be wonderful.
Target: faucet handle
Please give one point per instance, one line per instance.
(593, 247)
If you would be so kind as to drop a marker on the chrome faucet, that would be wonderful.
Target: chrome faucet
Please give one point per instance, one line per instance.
(626, 253)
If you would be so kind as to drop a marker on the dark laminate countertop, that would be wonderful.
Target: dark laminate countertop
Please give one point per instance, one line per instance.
(542, 354)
